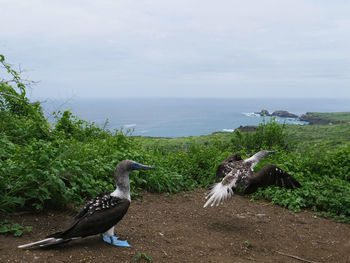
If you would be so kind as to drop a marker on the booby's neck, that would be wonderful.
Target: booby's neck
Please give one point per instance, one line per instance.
(122, 185)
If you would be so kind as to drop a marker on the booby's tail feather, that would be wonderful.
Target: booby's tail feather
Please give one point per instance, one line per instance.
(45, 243)
(218, 193)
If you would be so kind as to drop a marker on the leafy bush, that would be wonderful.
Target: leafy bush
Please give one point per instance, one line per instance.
(323, 176)
(44, 165)
(8, 227)
(268, 135)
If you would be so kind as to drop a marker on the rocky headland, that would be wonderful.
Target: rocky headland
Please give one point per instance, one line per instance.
(278, 113)
(313, 118)
(246, 128)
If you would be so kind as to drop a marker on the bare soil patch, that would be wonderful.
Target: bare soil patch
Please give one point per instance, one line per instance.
(178, 229)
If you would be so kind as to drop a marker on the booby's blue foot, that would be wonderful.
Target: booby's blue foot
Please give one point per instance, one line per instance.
(113, 240)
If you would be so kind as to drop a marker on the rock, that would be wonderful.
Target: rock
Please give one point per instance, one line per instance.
(263, 113)
(284, 114)
(278, 113)
(246, 128)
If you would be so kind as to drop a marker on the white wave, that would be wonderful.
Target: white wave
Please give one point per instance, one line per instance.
(251, 114)
(228, 130)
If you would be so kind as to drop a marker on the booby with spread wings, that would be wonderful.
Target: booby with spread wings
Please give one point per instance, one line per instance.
(100, 215)
(237, 172)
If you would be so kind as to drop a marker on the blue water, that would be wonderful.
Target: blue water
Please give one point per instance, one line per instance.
(187, 117)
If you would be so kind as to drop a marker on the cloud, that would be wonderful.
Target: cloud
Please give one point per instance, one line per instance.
(183, 48)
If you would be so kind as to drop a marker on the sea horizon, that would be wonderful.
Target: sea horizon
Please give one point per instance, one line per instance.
(180, 117)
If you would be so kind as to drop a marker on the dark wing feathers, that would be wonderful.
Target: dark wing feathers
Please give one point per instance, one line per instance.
(233, 158)
(221, 172)
(88, 206)
(270, 175)
(99, 215)
(226, 166)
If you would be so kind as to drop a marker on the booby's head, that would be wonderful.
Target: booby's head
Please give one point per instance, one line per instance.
(125, 167)
(121, 176)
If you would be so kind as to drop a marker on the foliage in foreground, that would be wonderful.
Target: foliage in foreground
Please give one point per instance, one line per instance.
(72, 160)
(16, 229)
(142, 256)
(325, 180)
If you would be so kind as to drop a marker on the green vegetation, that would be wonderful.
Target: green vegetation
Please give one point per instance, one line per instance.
(313, 136)
(8, 227)
(330, 117)
(45, 164)
(143, 256)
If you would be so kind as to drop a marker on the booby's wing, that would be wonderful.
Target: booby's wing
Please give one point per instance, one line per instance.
(233, 158)
(270, 175)
(256, 158)
(89, 206)
(99, 215)
(226, 166)
(92, 206)
(220, 192)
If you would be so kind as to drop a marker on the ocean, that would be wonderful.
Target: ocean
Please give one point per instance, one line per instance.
(169, 117)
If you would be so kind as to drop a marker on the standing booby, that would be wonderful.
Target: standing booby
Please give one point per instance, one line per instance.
(100, 214)
(237, 172)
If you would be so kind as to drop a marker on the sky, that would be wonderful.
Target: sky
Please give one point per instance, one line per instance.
(179, 48)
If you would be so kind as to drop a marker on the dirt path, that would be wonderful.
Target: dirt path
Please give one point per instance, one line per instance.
(177, 229)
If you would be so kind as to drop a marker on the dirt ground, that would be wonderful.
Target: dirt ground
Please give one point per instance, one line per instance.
(178, 229)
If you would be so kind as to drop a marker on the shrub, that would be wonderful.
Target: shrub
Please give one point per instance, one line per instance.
(268, 135)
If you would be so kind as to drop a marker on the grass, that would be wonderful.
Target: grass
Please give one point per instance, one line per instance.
(321, 135)
(182, 142)
(333, 116)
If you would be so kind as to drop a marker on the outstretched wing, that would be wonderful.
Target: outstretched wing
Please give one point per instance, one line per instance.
(270, 175)
(220, 192)
(226, 166)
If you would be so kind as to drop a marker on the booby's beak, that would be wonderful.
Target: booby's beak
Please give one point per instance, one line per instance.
(138, 166)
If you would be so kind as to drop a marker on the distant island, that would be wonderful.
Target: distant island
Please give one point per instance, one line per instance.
(278, 113)
(310, 117)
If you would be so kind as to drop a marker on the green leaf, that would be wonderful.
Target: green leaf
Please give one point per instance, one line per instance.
(140, 256)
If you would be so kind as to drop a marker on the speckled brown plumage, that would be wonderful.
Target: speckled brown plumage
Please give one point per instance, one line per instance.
(236, 172)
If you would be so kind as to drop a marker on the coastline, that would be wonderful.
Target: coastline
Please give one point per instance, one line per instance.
(318, 121)
(173, 118)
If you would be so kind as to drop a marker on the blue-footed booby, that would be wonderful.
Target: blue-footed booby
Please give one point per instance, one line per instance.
(237, 172)
(100, 214)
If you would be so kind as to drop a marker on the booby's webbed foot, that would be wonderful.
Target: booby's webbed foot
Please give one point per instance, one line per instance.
(113, 240)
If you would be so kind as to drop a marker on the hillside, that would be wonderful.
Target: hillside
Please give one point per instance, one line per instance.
(326, 118)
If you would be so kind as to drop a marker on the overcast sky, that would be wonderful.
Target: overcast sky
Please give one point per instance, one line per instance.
(179, 48)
